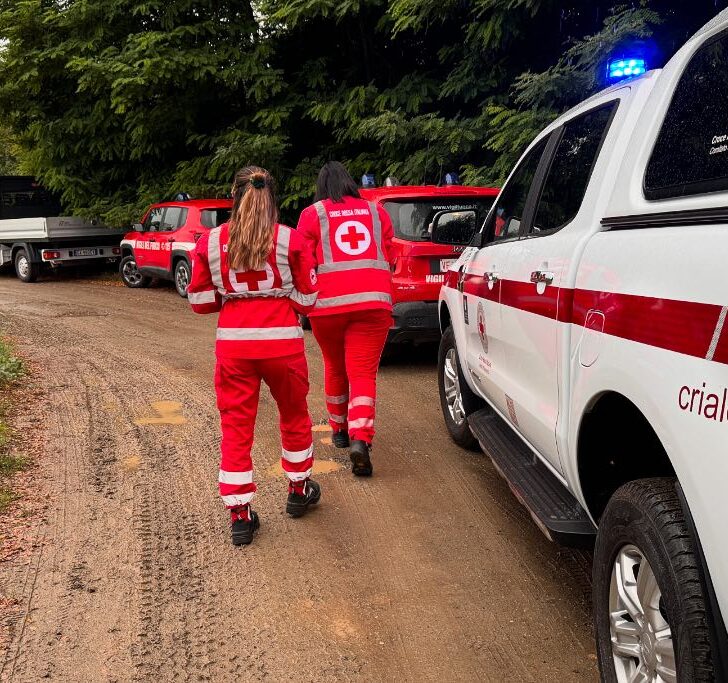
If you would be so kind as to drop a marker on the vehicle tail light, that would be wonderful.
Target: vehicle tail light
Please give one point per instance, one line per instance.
(49, 255)
(116, 251)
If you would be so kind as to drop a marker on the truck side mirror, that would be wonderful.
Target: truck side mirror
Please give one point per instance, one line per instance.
(454, 227)
(137, 227)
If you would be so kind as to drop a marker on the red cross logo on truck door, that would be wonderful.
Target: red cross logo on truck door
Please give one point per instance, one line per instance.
(252, 280)
(353, 238)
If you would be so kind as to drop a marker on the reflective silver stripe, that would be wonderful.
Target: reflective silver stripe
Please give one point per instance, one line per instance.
(258, 333)
(364, 297)
(298, 456)
(360, 423)
(266, 294)
(361, 401)
(238, 499)
(183, 246)
(127, 243)
(299, 476)
(325, 236)
(716, 333)
(337, 399)
(284, 268)
(199, 298)
(236, 478)
(377, 224)
(303, 299)
(352, 265)
(213, 258)
(341, 419)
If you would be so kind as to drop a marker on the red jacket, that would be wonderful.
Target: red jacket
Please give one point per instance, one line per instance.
(351, 242)
(257, 308)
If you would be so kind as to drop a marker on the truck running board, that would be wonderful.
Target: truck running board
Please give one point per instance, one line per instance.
(556, 512)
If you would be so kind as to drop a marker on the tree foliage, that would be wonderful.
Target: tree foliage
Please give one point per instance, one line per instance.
(117, 103)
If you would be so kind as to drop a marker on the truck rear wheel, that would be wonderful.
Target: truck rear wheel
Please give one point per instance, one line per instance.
(457, 400)
(130, 274)
(649, 607)
(25, 269)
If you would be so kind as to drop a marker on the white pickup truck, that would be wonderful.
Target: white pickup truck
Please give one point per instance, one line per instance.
(585, 348)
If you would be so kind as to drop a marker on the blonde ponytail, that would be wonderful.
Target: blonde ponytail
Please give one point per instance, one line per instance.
(252, 220)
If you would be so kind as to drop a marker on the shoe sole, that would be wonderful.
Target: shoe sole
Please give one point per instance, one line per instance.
(361, 465)
(300, 509)
(246, 538)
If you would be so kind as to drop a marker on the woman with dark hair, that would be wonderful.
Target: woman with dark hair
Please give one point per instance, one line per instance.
(351, 241)
(258, 274)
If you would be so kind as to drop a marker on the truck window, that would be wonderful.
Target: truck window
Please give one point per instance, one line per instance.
(212, 218)
(412, 219)
(508, 211)
(691, 153)
(568, 177)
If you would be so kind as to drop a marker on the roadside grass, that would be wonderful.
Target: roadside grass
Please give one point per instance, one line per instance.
(11, 369)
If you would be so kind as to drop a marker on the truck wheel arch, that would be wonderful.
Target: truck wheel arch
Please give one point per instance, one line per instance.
(444, 317)
(616, 444)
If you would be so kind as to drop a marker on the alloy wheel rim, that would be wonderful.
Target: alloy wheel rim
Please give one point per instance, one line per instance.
(131, 273)
(642, 644)
(183, 279)
(453, 394)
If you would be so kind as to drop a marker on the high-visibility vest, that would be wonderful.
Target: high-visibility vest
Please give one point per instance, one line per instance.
(352, 253)
(257, 307)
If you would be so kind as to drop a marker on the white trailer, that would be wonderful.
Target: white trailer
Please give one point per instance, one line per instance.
(31, 244)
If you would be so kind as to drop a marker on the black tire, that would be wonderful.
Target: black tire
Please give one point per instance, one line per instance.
(25, 269)
(130, 274)
(647, 514)
(182, 277)
(459, 432)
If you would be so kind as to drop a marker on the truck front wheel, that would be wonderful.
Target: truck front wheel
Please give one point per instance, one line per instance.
(130, 274)
(457, 400)
(182, 277)
(649, 607)
(25, 269)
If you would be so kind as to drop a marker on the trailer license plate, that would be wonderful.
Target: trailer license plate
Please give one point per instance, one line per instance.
(84, 252)
(445, 264)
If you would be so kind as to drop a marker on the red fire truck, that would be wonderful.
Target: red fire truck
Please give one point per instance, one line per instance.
(424, 257)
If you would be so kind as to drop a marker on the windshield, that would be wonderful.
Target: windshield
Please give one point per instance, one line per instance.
(412, 218)
(211, 218)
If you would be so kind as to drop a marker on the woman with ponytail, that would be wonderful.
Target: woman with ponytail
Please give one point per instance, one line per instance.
(258, 275)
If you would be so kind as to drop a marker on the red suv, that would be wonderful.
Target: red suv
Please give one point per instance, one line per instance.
(160, 246)
(432, 226)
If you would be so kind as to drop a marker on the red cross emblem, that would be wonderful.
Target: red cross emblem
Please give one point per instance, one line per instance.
(353, 238)
(252, 280)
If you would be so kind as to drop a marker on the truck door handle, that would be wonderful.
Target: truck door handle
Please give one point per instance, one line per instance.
(490, 276)
(541, 276)
(152, 239)
(171, 239)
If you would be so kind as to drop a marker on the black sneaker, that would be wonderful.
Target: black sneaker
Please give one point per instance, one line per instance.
(243, 529)
(361, 465)
(341, 439)
(298, 503)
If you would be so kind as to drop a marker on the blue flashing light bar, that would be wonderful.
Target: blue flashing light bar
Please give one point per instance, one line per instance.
(619, 69)
(452, 178)
(368, 180)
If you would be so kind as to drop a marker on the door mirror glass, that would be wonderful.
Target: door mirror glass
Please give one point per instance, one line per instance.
(137, 227)
(454, 227)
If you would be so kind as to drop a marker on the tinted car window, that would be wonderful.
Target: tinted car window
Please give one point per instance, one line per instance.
(508, 211)
(691, 153)
(154, 220)
(571, 168)
(412, 218)
(211, 218)
(174, 217)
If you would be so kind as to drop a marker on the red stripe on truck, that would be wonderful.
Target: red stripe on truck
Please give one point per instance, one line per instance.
(686, 327)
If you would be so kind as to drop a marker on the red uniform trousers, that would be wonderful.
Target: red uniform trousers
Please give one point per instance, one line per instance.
(352, 344)
(237, 382)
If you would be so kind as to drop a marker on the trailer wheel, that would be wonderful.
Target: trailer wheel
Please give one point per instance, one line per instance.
(25, 269)
(649, 608)
(130, 274)
(182, 277)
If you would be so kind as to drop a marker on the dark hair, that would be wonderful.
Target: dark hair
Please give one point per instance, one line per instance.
(334, 182)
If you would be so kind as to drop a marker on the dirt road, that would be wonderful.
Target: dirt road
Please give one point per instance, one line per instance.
(429, 571)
